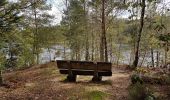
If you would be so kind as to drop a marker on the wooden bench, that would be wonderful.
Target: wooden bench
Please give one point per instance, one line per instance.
(74, 68)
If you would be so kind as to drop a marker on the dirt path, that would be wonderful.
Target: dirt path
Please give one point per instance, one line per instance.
(46, 83)
(120, 82)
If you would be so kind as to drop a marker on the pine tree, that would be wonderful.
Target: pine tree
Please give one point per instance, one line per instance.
(36, 17)
(8, 19)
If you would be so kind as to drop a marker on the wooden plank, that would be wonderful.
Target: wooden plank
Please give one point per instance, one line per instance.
(104, 66)
(63, 64)
(86, 72)
(84, 65)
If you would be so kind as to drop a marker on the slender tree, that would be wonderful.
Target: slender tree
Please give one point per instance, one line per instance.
(143, 5)
(36, 17)
(103, 45)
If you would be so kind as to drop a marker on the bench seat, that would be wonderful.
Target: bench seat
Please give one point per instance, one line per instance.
(85, 72)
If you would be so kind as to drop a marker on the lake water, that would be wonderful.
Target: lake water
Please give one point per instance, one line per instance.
(56, 53)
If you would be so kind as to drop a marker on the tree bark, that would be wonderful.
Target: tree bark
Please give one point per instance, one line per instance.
(120, 45)
(103, 45)
(111, 50)
(106, 54)
(35, 44)
(87, 50)
(64, 50)
(86, 33)
(1, 80)
(92, 49)
(117, 63)
(157, 58)
(135, 63)
(130, 59)
(152, 57)
(166, 54)
(143, 59)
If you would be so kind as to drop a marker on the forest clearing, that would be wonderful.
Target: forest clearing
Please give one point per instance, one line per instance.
(107, 49)
(44, 82)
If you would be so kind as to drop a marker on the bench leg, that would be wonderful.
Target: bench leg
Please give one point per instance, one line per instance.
(71, 78)
(97, 78)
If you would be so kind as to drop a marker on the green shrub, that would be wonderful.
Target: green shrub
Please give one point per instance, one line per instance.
(136, 78)
(168, 79)
(139, 91)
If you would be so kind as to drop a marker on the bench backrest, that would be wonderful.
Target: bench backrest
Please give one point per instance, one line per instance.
(104, 66)
(84, 65)
(63, 64)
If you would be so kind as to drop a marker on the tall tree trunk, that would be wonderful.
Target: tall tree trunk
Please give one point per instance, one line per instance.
(78, 53)
(103, 45)
(117, 63)
(120, 44)
(166, 53)
(135, 63)
(106, 54)
(1, 80)
(92, 49)
(49, 53)
(152, 57)
(86, 33)
(104, 33)
(157, 58)
(143, 59)
(111, 50)
(131, 55)
(87, 50)
(35, 44)
(76, 56)
(134, 38)
(64, 50)
(37, 58)
(72, 55)
(96, 41)
(36, 38)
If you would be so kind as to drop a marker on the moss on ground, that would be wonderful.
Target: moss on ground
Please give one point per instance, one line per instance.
(96, 95)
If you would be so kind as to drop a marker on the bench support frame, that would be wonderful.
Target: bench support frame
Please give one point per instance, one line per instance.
(96, 77)
(94, 68)
(71, 77)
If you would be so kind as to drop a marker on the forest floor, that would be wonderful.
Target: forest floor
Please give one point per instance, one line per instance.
(44, 82)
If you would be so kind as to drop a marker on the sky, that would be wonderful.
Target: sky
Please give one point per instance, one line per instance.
(58, 6)
(56, 10)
